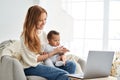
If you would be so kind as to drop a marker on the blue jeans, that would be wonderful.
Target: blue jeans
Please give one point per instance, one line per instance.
(52, 73)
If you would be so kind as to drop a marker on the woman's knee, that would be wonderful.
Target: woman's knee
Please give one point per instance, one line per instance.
(71, 63)
(71, 66)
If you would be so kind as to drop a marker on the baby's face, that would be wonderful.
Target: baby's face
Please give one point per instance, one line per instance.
(55, 40)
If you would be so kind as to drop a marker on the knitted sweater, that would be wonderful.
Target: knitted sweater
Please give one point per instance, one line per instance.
(22, 53)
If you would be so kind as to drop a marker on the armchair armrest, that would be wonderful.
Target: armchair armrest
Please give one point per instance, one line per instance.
(11, 69)
(80, 63)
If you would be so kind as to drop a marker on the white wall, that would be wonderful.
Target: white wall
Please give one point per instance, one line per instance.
(58, 19)
(12, 13)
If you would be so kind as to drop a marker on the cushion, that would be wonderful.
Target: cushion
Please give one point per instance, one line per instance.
(116, 65)
(4, 44)
(75, 59)
(35, 78)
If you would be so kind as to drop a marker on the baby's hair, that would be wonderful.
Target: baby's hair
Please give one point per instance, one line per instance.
(52, 32)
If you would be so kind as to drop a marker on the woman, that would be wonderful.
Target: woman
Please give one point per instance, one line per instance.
(32, 40)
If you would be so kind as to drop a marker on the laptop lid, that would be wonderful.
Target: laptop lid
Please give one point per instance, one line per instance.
(98, 64)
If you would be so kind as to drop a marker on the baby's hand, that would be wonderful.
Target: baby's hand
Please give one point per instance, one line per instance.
(65, 50)
(58, 50)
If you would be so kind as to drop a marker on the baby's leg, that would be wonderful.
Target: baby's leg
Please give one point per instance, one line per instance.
(59, 63)
(49, 62)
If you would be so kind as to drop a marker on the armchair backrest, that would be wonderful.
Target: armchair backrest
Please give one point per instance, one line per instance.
(4, 44)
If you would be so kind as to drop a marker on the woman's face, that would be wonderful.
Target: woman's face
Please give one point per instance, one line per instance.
(42, 21)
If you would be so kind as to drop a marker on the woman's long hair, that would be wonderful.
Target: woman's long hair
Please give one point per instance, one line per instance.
(29, 33)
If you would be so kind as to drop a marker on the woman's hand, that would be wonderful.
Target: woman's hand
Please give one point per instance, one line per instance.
(43, 56)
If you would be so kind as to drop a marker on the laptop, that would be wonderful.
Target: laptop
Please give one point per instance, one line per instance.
(98, 65)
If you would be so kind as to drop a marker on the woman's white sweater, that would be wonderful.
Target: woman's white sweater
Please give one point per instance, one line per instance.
(22, 53)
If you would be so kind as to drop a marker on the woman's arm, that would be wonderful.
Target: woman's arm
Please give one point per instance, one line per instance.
(45, 55)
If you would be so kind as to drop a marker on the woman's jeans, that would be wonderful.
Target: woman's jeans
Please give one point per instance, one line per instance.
(52, 73)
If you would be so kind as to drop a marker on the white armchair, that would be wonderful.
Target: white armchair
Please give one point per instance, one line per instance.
(11, 68)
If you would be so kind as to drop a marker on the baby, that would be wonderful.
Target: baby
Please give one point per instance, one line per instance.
(54, 42)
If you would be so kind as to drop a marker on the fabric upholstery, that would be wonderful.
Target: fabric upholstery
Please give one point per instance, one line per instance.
(11, 69)
(4, 44)
(80, 63)
(116, 65)
(35, 78)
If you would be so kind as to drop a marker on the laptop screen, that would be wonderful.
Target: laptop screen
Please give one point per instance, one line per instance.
(98, 64)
